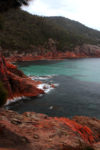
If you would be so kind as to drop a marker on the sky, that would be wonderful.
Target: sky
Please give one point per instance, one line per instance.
(85, 11)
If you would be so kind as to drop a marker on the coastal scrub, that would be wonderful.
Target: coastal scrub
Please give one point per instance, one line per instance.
(3, 94)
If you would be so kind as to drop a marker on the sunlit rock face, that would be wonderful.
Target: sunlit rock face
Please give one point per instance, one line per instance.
(33, 131)
(16, 83)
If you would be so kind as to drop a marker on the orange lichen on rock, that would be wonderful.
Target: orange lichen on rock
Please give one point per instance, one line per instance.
(35, 131)
(76, 129)
(47, 56)
(9, 65)
(84, 131)
(16, 83)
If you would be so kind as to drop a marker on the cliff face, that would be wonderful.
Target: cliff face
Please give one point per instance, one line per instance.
(16, 83)
(32, 131)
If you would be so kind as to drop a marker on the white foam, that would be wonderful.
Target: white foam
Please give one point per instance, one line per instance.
(41, 77)
(56, 84)
(40, 95)
(46, 87)
(15, 99)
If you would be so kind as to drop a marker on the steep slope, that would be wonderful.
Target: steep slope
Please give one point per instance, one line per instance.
(23, 32)
(75, 27)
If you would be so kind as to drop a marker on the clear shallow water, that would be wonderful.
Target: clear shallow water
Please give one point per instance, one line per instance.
(81, 69)
(78, 92)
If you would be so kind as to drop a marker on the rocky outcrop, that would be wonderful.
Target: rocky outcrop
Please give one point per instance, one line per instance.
(82, 51)
(32, 131)
(88, 50)
(16, 83)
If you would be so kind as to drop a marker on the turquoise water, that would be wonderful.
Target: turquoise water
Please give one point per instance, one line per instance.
(78, 92)
(81, 69)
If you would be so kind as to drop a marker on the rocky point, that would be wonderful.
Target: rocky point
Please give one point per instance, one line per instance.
(16, 83)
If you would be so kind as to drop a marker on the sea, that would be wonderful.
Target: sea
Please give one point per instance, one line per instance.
(76, 92)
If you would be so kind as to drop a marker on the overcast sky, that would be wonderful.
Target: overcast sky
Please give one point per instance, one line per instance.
(84, 11)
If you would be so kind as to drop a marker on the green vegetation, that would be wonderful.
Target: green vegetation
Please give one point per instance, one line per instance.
(3, 95)
(88, 148)
(23, 31)
(1, 23)
(8, 4)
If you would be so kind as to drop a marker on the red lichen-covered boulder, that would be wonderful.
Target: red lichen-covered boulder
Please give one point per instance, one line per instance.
(16, 83)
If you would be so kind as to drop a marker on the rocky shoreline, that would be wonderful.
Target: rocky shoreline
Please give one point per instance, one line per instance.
(33, 131)
(17, 84)
(84, 51)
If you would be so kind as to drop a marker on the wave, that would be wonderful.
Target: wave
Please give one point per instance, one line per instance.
(15, 99)
(47, 87)
(41, 77)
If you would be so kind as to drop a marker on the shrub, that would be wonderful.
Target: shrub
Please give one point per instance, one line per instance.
(1, 22)
(3, 94)
(88, 148)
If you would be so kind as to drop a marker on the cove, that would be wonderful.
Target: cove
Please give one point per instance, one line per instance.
(77, 93)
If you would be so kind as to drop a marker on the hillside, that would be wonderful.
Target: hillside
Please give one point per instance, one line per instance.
(23, 32)
(75, 27)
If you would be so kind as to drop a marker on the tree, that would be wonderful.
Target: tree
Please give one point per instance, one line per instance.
(1, 22)
(3, 94)
(4, 6)
(7, 4)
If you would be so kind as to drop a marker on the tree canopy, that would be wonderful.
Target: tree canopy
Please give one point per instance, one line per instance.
(3, 94)
(7, 4)
(24, 33)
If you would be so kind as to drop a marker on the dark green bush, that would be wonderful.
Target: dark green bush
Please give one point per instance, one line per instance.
(3, 94)
(1, 22)
(88, 148)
